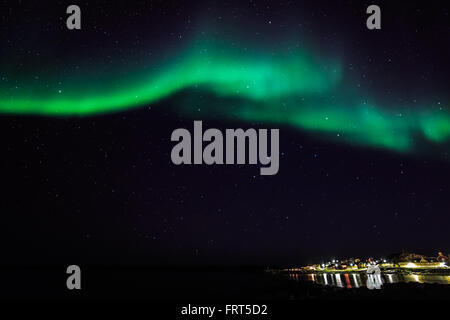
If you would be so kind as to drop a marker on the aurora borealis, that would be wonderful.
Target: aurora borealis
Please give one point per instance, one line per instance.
(226, 74)
(87, 117)
(277, 86)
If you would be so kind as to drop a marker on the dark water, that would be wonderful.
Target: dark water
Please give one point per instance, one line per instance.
(358, 280)
(200, 284)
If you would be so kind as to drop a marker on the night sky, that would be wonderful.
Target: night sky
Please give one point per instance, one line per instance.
(86, 118)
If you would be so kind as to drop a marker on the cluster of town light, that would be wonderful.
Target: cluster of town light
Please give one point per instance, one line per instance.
(406, 261)
(413, 265)
(335, 263)
(356, 263)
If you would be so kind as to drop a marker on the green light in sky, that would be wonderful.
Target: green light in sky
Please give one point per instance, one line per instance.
(286, 88)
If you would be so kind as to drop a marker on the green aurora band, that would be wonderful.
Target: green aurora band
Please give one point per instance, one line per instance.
(284, 88)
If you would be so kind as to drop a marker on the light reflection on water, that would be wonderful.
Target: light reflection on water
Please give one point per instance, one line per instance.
(356, 280)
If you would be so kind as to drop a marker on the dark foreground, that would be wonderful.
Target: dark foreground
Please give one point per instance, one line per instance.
(193, 285)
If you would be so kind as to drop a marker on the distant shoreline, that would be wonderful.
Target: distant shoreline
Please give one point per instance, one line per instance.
(437, 271)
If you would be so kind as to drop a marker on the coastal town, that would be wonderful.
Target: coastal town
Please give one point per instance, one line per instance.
(394, 262)
(373, 273)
